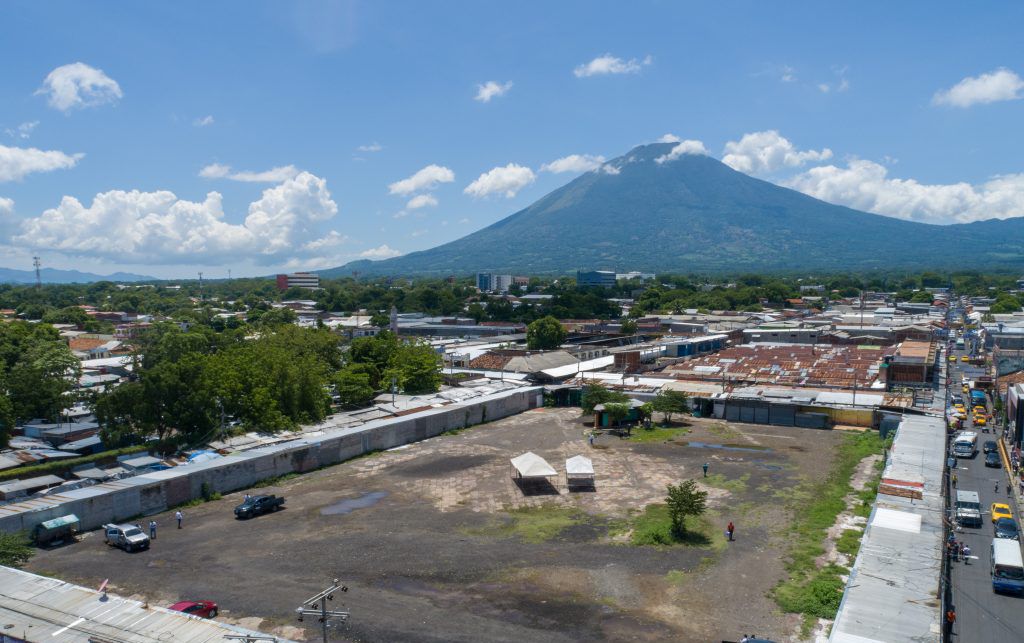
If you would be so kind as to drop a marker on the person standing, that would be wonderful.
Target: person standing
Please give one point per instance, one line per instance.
(591, 439)
(950, 620)
(954, 481)
(705, 467)
(178, 517)
(152, 530)
(731, 529)
(967, 555)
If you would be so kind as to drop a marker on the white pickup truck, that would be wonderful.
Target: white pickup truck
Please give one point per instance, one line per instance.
(126, 537)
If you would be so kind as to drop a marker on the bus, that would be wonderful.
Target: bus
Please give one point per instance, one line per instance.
(966, 445)
(1007, 567)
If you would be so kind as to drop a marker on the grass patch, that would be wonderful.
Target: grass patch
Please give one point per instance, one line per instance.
(658, 434)
(652, 526)
(15, 549)
(677, 576)
(534, 524)
(849, 542)
(810, 591)
(719, 481)
(723, 431)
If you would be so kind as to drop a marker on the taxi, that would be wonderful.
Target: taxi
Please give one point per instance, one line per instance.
(964, 358)
(1001, 510)
(979, 420)
(952, 358)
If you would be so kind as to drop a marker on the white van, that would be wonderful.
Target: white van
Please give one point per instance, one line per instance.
(966, 445)
(1007, 567)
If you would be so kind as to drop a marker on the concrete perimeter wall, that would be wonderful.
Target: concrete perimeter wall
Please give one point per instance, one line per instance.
(156, 492)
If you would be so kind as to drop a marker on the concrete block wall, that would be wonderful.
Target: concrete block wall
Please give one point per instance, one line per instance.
(153, 493)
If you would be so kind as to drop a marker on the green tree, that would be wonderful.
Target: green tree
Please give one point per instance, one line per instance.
(629, 327)
(668, 402)
(545, 333)
(416, 367)
(684, 499)
(353, 388)
(617, 412)
(594, 394)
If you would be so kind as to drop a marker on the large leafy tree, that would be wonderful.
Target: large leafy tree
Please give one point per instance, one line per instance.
(545, 334)
(667, 402)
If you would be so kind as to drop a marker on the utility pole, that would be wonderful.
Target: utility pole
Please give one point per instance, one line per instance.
(39, 279)
(200, 287)
(317, 606)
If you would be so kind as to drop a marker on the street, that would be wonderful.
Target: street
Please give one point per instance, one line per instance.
(982, 615)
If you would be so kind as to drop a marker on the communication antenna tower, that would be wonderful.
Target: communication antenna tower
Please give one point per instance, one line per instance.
(39, 279)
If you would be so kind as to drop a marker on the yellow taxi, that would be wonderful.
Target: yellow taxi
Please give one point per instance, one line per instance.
(952, 358)
(1001, 510)
(966, 389)
(963, 358)
(979, 420)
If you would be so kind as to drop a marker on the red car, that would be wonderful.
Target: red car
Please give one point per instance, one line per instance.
(203, 609)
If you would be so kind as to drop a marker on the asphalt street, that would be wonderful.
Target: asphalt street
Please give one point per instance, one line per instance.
(982, 615)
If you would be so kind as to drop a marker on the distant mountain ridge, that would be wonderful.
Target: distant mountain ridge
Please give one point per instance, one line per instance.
(54, 276)
(696, 214)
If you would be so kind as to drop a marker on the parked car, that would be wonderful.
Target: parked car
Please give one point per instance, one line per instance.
(202, 609)
(1001, 510)
(256, 505)
(990, 447)
(993, 460)
(1007, 528)
(126, 537)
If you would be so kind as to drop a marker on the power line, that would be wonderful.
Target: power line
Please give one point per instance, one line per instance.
(316, 606)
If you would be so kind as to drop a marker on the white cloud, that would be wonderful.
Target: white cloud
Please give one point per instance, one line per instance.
(840, 86)
(787, 74)
(766, 152)
(506, 180)
(332, 239)
(22, 131)
(824, 88)
(683, 147)
(1001, 84)
(491, 89)
(865, 185)
(421, 201)
(426, 179)
(573, 163)
(158, 227)
(18, 162)
(382, 251)
(668, 138)
(609, 64)
(273, 175)
(464, 221)
(372, 147)
(6, 206)
(610, 169)
(204, 121)
(78, 85)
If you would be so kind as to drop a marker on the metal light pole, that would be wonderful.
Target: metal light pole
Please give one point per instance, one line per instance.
(317, 606)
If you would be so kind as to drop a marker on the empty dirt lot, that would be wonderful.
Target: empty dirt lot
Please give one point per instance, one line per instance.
(437, 543)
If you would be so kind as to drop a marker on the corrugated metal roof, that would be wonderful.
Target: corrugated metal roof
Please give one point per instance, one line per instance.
(892, 593)
(47, 609)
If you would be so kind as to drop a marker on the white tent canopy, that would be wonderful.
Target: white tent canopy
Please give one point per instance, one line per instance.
(531, 465)
(579, 466)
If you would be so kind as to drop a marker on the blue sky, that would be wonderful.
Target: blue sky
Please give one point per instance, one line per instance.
(895, 109)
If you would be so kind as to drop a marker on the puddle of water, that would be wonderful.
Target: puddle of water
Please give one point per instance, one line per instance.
(724, 447)
(351, 504)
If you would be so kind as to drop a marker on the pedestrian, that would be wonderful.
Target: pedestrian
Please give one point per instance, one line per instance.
(967, 555)
(591, 439)
(954, 481)
(178, 517)
(152, 530)
(996, 488)
(950, 620)
(731, 529)
(246, 499)
(705, 467)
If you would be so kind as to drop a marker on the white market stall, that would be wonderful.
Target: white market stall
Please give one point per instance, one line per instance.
(531, 466)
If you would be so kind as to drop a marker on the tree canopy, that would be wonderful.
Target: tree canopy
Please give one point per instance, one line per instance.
(546, 333)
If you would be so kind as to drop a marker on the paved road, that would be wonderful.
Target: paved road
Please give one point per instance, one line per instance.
(982, 615)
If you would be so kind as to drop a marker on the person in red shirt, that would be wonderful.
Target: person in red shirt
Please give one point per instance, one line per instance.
(730, 530)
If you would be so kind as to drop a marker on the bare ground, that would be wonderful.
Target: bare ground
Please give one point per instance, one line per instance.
(412, 533)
